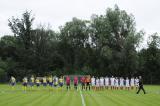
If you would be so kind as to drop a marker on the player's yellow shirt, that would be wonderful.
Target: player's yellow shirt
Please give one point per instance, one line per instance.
(61, 80)
(32, 79)
(37, 81)
(50, 79)
(44, 80)
(25, 80)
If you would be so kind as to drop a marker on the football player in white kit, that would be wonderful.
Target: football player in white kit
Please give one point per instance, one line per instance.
(121, 83)
(97, 84)
(101, 83)
(106, 82)
(93, 82)
(116, 83)
(132, 83)
(112, 82)
(136, 83)
(127, 84)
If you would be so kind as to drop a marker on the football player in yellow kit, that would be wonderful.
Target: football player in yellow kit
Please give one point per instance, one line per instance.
(25, 82)
(32, 79)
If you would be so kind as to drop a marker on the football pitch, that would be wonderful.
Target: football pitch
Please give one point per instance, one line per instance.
(60, 97)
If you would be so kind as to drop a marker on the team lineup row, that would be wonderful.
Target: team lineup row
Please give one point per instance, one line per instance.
(86, 82)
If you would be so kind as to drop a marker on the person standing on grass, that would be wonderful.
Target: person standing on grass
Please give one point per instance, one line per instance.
(37, 82)
(75, 82)
(32, 81)
(106, 82)
(68, 81)
(13, 82)
(93, 82)
(136, 83)
(127, 84)
(121, 83)
(25, 82)
(44, 81)
(101, 83)
(88, 80)
(61, 82)
(116, 83)
(132, 83)
(97, 84)
(50, 80)
(55, 81)
(83, 82)
(141, 85)
(112, 82)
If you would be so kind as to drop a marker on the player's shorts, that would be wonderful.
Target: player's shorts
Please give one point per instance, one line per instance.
(75, 84)
(68, 84)
(50, 84)
(127, 85)
(106, 84)
(83, 84)
(87, 84)
(132, 84)
(31, 84)
(24, 84)
(97, 84)
(112, 84)
(116, 85)
(37, 84)
(93, 83)
(101, 84)
(121, 84)
(60, 84)
(44, 84)
(13, 83)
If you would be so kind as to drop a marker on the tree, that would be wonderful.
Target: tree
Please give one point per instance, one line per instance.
(74, 38)
(115, 38)
(22, 28)
(150, 60)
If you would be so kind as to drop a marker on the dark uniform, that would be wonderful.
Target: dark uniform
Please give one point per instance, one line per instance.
(141, 86)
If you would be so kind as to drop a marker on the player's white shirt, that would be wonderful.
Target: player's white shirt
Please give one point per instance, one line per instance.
(116, 83)
(101, 82)
(97, 82)
(13, 80)
(112, 81)
(55, 80)
(136, 82)
(132, 81)
(121, 82)
(93, 81)
(106, 81)
(127, 82)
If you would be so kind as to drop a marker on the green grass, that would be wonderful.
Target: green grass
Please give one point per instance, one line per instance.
(45, 97)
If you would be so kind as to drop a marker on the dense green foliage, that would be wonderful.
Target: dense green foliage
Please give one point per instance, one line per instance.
(105, 45)
(44, 97)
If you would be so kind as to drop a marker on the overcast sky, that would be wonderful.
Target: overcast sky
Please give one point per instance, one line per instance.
(57, 12)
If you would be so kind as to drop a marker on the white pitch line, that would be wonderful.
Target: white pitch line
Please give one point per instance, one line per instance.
(82, 98)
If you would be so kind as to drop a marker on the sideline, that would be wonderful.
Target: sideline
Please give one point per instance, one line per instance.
(82, 98)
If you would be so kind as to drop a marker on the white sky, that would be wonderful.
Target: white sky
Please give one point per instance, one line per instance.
(57, 12)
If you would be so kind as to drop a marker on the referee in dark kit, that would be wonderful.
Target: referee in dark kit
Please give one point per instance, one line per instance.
(141, 86)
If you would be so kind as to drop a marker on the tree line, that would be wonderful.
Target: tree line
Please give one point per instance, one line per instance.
(106, 44)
